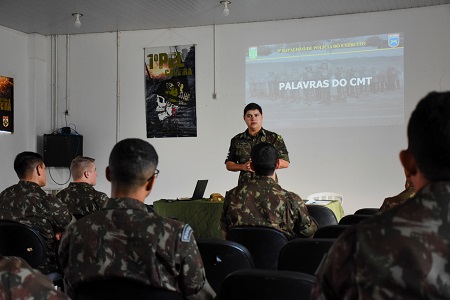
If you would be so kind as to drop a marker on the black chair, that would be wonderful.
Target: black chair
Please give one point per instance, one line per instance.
(264, 244)
(266, 285)
(353, 219)
(304, 255)
(222, 257)
(20, 240)
(323, 215)
(367, 211)
(330, 232)
(120, 289)
(17, 239)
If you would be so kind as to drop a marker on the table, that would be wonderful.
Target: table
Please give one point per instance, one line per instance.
(204, 215)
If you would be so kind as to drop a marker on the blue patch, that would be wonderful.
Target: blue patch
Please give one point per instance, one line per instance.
(186, 234)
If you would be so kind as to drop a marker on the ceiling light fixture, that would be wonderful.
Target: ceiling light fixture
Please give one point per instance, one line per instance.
(225, 11)
(77, 16)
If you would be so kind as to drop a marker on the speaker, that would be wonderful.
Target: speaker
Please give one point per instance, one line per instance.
(60, 149)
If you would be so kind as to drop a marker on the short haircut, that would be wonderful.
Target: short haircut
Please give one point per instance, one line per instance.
(80, 164)
(132, 162)
(429, 136)
(25, 162)
(252, 106)
(264, 158)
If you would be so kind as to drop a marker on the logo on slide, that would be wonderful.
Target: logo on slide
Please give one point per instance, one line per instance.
(394, 40)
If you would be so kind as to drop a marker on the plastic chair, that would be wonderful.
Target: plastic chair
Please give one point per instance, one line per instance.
(367, 211)
(266, 285)
(304, 255)
(121, 288)
(330, 232)
(326, 196)
(264, 244)
(17, 239)
(353, 219)
(323, 215)
(222, 257)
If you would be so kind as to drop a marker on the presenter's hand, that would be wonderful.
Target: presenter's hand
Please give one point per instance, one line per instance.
(247, 166)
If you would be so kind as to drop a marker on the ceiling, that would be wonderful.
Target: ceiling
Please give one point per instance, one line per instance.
(54, 17)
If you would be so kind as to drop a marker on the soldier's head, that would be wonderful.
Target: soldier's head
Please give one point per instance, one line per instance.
(30, 166)
(252, 106)
(132, 165)
(264, 159)
(427, 158)
(83, 169)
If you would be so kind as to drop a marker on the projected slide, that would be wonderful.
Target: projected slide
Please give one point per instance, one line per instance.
(355, 81)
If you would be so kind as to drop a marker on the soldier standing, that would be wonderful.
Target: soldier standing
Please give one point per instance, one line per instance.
(238, 158)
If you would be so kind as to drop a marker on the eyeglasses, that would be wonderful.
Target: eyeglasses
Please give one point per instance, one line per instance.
(154, 174)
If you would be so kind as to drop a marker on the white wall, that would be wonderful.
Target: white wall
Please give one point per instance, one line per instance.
(360, 163)
(22, 58)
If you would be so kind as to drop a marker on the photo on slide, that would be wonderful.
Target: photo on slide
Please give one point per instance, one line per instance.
(357, 81)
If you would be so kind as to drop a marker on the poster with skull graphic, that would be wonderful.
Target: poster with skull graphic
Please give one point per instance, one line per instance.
(170, 102)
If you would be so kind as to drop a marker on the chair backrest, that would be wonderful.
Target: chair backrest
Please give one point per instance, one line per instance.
(323, 215)
(326, 196)
(353, 219)
(222, 257)
(367, 211)
(330, 232)
(122, 288)
(266, 285)
(264, 244)
(304, 255)
(21, 240)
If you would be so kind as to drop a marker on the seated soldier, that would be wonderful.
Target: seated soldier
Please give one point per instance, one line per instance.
(80, 196)
(28, 204)
(124, 239)
(261, 201)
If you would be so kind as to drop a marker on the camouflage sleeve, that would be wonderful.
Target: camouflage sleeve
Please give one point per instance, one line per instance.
(231, 152)
(192, 280)
(281, 148)
(337, 276)
(60, 215)
(100, 200)
(63, 256)
(303, 224)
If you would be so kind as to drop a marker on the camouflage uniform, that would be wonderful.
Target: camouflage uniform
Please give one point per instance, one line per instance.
(391, 202)
(402, 253)
(262, 202)
(81, 198)
(19, 281)
(242, 144)
(123, 239)
(28, 204)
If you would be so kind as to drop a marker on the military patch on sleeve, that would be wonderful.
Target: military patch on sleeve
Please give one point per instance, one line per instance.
(186, 234)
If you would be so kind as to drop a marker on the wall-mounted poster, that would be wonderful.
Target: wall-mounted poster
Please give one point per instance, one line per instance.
(6, 104)
(170, 102)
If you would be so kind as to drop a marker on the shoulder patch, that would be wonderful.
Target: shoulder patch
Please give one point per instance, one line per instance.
(186, 234)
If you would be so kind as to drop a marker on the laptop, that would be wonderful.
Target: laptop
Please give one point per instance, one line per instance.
(199, 190)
